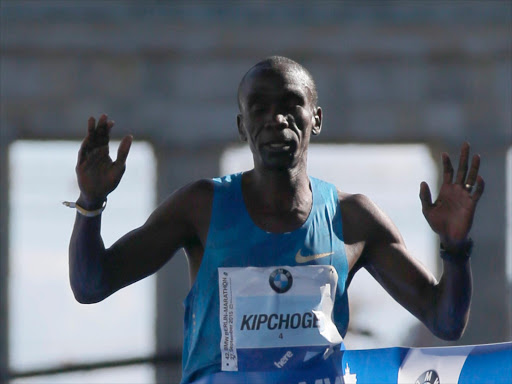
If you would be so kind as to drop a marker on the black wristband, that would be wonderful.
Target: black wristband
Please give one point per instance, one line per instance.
(462, 255)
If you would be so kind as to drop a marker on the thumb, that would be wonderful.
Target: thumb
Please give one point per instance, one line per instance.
(425, 196)
(122, 151)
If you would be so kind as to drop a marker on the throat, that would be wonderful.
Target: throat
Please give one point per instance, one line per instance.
(277, 207)
(279, 222)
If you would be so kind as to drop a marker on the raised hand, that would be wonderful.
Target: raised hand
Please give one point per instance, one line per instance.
(97, 174)
(451, 215)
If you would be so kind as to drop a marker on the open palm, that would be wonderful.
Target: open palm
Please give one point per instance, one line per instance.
(97, 174)
(451, 214)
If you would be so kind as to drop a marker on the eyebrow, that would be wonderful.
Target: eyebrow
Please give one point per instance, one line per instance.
(257, 97)
(296, 95)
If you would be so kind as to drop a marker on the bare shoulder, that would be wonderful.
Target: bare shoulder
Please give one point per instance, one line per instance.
(361, 207)
(190, 201)
(357, 208)
(352, 198)
(198, 192)
(199, 196)
(358, 215)
(365, 225)
(186, 210)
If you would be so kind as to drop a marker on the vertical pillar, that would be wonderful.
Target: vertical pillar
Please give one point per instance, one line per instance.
(4, 256)
(176, 168)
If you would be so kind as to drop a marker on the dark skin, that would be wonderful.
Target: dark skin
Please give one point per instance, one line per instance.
(277, 118)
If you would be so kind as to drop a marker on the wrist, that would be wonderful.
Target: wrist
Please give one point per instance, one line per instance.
(459, 253)
(83, 211)
(90, 204)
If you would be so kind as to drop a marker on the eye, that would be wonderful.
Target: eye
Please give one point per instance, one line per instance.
(293, 102)
(292, 107)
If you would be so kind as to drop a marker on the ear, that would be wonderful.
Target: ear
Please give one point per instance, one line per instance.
(317, 121)
(241, 130)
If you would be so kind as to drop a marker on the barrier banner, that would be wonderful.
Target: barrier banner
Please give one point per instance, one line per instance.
(475, 364)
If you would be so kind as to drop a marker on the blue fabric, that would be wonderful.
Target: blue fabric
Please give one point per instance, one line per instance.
(490, 363)
(319, 371)
(235, 241)
(374, 365)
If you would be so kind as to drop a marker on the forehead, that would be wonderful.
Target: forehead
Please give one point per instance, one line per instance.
(268, 82)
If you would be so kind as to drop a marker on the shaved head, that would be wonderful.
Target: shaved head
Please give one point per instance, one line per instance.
(282, 64)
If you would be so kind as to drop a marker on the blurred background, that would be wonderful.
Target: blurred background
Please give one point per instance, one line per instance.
(399, 83)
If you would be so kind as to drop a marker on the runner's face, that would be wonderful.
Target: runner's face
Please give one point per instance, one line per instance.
(277, 117)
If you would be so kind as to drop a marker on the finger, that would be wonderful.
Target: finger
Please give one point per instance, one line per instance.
(86, 141)
(473, 170)
(102, 130)
(110, 124)
(123, 150)
(103, 118)
(462, 170)
(447, 169)
(82, 151)
(480, 186)
(425, 196)
(90, 125)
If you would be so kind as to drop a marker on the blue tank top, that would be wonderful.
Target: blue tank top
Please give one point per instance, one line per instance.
(235, 241)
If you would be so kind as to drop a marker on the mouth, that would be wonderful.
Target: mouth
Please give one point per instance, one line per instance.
(278, 146)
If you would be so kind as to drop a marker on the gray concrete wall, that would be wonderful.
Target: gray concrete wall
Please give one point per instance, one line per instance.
(391, 74)
(430, 72)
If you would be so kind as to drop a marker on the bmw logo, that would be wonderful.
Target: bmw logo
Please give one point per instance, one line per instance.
(428, 377)
(281, 280)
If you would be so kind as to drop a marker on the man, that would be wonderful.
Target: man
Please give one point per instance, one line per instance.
(272, 251)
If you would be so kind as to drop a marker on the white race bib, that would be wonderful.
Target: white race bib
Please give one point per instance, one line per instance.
(276, 317)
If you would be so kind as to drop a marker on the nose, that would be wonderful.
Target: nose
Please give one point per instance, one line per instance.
(277, 120)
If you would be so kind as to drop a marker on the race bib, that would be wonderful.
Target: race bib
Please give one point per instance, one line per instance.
(276, 318)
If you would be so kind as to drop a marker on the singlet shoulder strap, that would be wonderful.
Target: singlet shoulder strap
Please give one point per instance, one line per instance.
(325, 195)
(227, 202)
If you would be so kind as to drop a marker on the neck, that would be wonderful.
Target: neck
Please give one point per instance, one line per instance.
(279, 190)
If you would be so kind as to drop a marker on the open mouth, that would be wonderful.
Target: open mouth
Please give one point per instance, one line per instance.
(278, 147)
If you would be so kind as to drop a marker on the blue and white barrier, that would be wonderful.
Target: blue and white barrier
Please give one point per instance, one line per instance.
(475, 364)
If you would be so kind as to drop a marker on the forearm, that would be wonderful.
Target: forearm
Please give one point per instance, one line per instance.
(86, 260)
(453, 299)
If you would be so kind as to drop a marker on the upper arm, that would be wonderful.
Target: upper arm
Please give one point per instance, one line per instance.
(384, 255)
(181, 220)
